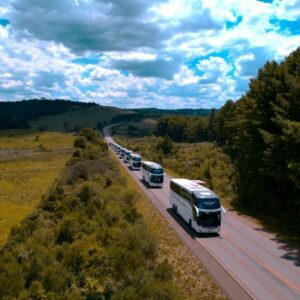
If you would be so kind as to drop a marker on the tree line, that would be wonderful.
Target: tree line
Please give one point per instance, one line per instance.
(14, 115)
(261, 133)
(86, 239)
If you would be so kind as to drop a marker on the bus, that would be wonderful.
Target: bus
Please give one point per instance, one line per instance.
(135, 161)
(122, 152)
(127, 154)
(153, 174)
(196, 204)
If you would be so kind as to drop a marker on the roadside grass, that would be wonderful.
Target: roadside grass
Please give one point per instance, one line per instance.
(29, 163)
(192, 279)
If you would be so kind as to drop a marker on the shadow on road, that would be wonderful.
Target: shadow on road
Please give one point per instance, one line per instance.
(189, 230)
(149, 187)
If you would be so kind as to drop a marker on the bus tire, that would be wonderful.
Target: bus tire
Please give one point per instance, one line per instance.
(190, 223)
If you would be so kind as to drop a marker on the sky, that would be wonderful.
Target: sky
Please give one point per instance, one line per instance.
(141, 53)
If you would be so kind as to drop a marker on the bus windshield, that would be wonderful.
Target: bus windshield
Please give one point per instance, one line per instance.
(136, 159)
(207, 203)
(157, 171)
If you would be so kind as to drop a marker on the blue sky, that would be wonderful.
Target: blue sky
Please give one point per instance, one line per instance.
(136, 53)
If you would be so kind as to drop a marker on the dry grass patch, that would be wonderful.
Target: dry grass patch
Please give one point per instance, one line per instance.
(193, 280)
(29, 163)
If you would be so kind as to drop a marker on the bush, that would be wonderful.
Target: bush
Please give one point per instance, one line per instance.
(80, 142)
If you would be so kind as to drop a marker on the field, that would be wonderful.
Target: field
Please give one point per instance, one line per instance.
(29, 163)
(80, 117)
(135, 129)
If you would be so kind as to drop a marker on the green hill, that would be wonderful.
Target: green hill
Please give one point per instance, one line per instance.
(58, 114)
(78, 117)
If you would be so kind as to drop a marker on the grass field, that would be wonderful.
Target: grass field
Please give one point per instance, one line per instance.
(131, 129)
(29, 163)
(190, 276)
(82, 117)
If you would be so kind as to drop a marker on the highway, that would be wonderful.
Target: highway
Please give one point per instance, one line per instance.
(245, 261)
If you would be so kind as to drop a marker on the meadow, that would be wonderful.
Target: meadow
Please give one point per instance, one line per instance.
(29, 163)
(135, 129)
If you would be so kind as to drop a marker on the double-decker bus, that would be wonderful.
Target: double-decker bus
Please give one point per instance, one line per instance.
(153, 174)
(122, 152)
(196, 204)
(126, 155)
(135, 161)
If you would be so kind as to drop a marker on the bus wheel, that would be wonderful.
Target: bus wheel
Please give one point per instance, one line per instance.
(190, 223)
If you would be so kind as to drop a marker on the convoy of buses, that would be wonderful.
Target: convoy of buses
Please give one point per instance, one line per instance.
(197, 205)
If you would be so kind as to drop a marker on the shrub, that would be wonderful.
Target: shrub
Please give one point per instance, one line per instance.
(80, 142)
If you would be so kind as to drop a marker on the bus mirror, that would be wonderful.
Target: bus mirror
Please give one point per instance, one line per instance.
(223, 210)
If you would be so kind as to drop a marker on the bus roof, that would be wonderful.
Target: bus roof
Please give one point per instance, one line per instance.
(199, 190)
(153, 164)
(135, 155)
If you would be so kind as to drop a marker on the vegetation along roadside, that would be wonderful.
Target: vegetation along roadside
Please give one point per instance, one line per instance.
(86, 239)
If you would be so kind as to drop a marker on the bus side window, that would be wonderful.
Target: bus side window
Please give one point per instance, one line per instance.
(193, 206)
(185, 195)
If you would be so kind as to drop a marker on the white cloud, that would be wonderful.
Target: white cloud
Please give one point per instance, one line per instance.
(175, 53)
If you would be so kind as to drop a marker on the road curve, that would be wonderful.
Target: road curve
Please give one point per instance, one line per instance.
(246, 262)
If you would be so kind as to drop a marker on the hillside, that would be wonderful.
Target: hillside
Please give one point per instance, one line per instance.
(79, 117)
(57, 114)
(155, 113)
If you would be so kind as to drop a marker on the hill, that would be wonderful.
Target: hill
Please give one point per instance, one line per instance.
(57, 114)
(64, 115)
(155, 113)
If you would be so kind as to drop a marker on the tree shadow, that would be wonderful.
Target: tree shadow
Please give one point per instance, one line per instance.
(149, 187)
(286, 236)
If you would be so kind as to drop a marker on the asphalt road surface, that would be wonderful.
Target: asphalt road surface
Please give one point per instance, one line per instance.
(245, 261)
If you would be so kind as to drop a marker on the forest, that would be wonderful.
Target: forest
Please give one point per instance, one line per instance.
(261, 134)
(86, 239)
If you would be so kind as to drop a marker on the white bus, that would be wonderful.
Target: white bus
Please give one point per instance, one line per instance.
(122, 152)
(196, 204)
(135, 161)
(153, 174)
(127, 154)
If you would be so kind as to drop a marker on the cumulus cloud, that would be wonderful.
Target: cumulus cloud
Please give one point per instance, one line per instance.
(96, 25)
(136, 53)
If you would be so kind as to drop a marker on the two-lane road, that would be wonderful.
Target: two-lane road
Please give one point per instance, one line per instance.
(246, 262)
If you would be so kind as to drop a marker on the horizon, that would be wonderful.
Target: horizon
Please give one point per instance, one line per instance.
(174, 54)
(92, 102)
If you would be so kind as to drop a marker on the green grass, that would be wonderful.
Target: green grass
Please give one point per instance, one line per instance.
(82, 117)
(29, 163)
(190, 276)
(144, 127)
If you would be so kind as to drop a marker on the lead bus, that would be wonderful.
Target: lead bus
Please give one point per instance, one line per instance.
(153, 174)
(196, 204)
